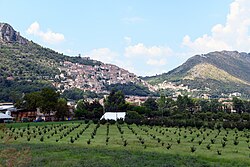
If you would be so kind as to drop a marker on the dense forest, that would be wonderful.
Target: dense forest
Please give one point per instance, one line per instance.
(12, 90)
(131, 89)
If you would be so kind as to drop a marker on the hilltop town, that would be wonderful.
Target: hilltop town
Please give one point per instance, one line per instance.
(94, 78)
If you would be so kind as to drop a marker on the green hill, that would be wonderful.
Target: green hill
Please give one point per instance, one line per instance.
(26, 66)
(218, 72)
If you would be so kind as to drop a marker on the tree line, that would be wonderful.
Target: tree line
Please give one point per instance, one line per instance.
(187, 111)
(182, 111)
(47, 100)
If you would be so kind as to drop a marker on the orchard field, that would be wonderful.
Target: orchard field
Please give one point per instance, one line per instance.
(112, 144)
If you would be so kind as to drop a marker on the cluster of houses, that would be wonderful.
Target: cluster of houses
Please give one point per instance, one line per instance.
(8, 113)
(93, 77)
(179, 89)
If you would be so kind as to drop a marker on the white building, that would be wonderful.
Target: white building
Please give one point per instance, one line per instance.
(113, 116)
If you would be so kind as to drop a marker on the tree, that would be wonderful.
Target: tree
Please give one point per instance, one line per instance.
(80, 109)
(142, 110)
(151, 104)
(180, 103)
(238, 105)
(190, 103)
(115, 102)
(61, 109)
(49, 100)
(32, 100)
(215, 105)
(88, 110)
(204, 105)
(246, 106)
(133, 117)
(161, 104)
(97, 109)
(77, 94)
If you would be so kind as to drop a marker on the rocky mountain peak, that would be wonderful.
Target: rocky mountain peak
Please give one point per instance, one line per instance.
(9, 35)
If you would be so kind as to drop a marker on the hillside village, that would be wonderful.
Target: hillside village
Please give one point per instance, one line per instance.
(181, 89)
(93, 77)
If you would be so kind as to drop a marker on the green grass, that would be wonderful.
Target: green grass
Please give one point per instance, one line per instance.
(146, 146)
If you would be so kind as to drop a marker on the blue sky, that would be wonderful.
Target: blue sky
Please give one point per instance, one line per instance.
(146, 37)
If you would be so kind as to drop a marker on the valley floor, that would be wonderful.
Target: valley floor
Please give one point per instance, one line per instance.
(81, 144)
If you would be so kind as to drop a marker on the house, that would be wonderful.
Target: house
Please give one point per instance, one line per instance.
(5, 117)
(6, 106)
(35, 115)
(20, 114)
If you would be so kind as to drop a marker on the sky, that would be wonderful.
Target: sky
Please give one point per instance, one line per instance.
(145, 37)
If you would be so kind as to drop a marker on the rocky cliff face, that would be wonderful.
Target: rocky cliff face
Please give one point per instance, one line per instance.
(9, 35)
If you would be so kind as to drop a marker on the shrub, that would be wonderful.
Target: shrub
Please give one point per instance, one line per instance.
(193, 149)
(95, 121)
(41, 139)
(103, 121)
(112, 122)
(125, 143)
(208, 146)
(71, 139)
(236, 142)
(223, 143)
(120, 121)
(169, 146)
(86, 121)
(179, 141)
(212, 141)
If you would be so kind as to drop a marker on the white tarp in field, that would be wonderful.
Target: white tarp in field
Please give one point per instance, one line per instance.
(114, 115)
(5, 116)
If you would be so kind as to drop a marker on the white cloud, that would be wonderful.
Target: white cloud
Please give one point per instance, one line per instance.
(233, 35)
(128, 40)
(103, 54)
(151, 55)
(141, 50)
(68, 52)
(155, 62)
(106, 55)
(49, 36)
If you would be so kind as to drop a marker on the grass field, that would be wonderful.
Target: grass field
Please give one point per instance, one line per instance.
(81, 144)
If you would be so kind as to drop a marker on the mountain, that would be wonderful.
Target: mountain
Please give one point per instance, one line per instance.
(216, 73)
(26, 66)
(9, 35)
